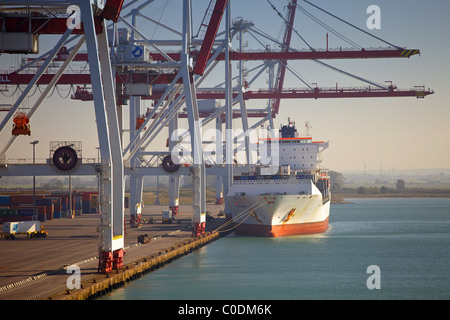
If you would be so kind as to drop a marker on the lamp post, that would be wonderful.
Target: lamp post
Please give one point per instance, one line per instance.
(34, 143)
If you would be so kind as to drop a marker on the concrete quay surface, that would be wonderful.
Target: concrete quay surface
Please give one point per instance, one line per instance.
(36, 269)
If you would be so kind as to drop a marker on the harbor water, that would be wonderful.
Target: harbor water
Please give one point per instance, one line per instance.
(407, 240)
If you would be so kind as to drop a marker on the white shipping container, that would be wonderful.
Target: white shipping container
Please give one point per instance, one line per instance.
(21, 227)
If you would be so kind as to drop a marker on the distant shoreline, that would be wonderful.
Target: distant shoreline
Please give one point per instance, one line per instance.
(340, 201)
(341, 198)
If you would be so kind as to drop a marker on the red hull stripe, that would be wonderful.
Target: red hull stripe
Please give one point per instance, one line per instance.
(283, 230)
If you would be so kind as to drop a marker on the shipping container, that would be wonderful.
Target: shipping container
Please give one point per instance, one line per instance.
(86, 203)
(24, 211)
(49, 208)
(86, 196)
(21, 227)
(19, 199)
(18, 218)
(64, 203)
(5, 200)
(78, 200)
(56, 207)
(42, 217)
(32, 229)
(78, 205)
(86, 207)
(94, 202)
(8, 212)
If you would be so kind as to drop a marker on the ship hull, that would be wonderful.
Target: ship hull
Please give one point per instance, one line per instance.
(283, 230)
(278, 216)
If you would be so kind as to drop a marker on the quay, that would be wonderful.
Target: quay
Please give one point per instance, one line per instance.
(39, 268)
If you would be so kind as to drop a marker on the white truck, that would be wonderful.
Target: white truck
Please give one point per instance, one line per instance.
(33, 229)
(167, 216)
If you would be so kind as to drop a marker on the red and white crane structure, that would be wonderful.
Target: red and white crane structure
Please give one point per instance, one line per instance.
(92, 15)
(133, 67)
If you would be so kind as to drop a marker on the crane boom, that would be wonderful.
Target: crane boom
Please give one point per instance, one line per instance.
(290, 55)
(210, 35)
(279, 80)
(316, 93)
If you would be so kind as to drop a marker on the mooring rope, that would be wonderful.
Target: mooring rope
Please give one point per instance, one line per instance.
(247, 212)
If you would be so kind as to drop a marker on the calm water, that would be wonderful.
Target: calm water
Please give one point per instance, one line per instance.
(408, 239)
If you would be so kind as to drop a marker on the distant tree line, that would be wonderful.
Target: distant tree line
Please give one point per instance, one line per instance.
(337, 181)
(399, 186)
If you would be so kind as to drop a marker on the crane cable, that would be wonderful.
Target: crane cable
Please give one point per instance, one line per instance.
(326, 64)
(351, 75)
(12, 94)
(205, 16)
(69, 91)
(352, 25)
(327, 27)
(289, 25)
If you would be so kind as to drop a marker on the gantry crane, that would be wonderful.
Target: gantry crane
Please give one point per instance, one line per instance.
(181, 88)
(21, 22)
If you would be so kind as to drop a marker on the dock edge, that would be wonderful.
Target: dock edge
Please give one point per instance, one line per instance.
(102, 284)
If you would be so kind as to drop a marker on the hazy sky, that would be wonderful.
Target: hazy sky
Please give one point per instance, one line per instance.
(400, 133)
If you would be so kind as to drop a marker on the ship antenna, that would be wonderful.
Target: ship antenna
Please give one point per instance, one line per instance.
(308, 127)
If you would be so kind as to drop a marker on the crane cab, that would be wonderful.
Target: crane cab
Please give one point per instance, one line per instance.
(21, 124)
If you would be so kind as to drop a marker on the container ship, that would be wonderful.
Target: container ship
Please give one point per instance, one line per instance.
(290, 199)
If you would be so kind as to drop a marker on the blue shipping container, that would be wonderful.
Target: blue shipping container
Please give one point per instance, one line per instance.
(78, 203)
(26, 212)
(44, 202)
(5, 200)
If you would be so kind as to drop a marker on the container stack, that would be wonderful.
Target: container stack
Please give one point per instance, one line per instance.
(18, 206)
